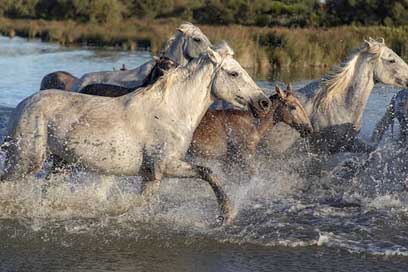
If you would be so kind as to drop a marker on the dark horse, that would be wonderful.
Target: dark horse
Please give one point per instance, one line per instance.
(60, 80)
(162, 65)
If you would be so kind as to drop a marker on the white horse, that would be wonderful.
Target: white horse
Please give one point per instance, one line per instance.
(188, 43)
(336, 103)
(143, 133)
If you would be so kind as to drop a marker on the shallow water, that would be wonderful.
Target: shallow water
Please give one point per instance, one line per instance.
(299, 213)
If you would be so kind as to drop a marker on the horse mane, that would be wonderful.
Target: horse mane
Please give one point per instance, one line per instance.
(181, 73)
(223, 49)
(167, 45)
(186, 28)
(335, 82)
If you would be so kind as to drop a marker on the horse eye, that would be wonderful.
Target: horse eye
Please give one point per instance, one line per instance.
(392, 61)
(233, 74)
(197, 39)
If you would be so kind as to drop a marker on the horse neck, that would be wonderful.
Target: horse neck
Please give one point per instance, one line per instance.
(190, 97)
(268, 120)
(359, 91)
(352, 98)
(175, 50)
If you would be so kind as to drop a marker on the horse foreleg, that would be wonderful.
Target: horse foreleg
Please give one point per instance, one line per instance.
(151, 174)
(384, 123)
(403, 120)
(359, 146)
(181, 169)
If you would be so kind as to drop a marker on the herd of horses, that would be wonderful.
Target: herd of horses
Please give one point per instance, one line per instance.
(144, 121)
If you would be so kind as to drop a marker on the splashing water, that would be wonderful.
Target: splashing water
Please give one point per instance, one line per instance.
(354, 203)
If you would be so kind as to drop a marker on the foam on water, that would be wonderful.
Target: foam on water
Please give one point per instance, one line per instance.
(275, 208)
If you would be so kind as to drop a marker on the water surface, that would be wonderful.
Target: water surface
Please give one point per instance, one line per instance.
(301, 212)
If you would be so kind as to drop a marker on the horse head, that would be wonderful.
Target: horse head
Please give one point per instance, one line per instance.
(233, 84)
(389, 67)
(188, 43)
(289, 110)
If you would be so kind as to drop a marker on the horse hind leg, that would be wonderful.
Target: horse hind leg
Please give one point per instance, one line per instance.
(28, 149)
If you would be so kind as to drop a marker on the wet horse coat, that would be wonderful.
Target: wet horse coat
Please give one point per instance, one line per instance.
(145, 133)
(233, 135)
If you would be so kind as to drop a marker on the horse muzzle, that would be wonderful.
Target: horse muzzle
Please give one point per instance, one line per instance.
(260, 105)
(305, 131)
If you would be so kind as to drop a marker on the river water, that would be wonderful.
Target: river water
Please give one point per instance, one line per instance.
(300, 212)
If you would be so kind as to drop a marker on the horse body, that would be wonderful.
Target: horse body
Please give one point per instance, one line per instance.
(188, 43)
(336, 103)
(145, 133)
(132, 78)
(233, 135)
(397, 109)
(162, 65)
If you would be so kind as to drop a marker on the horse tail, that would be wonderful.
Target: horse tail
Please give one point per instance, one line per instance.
(386, 121)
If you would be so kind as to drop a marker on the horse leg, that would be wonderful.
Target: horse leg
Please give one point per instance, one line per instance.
(242, 155)
(384, 123)
(28, 151)
(403, 120)
(151, 174)
(59, 165)
(182, 169)
(359, 146)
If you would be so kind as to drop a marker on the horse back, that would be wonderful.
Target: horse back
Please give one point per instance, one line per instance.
(108, 90)
(60, 80)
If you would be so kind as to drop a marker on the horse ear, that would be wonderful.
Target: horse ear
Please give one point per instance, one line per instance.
(289, 89)
(184, 27)
(156, 58)
(214, 56)
(280, 92)
(369, 43)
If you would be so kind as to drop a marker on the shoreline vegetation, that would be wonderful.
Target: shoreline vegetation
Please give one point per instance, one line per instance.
(268, 52)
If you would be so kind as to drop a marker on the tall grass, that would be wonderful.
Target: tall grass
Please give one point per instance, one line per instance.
(265, 51)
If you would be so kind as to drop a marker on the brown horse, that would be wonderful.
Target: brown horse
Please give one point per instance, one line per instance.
(162, 65)
(233, 135)
(58, 80)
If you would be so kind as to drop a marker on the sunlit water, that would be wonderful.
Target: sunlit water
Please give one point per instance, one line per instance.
(299, 213)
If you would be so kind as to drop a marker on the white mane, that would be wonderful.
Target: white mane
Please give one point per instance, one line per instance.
(335, 83)
(179, 75)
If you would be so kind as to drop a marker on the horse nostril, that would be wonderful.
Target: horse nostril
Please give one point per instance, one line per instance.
(264, 104)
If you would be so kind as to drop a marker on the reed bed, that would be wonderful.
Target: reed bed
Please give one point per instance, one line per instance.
(262, 50)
